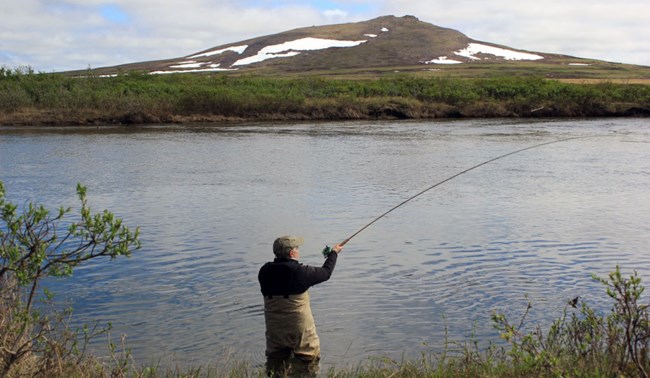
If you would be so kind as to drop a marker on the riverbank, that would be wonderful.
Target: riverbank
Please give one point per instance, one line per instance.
(54, 99)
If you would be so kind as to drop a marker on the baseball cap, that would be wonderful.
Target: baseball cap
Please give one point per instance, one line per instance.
(283, 244)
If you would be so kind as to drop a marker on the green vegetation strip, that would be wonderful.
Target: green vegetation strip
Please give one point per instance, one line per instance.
(28, 98)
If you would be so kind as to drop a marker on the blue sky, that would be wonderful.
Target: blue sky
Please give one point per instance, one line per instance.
(57, 35)
(114, 13)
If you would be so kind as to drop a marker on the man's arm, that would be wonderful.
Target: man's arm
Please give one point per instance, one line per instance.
(312, 275)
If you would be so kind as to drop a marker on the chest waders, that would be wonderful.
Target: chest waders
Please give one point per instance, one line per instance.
(290, 327)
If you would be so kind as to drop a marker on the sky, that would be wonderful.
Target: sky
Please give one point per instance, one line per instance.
(59, 35)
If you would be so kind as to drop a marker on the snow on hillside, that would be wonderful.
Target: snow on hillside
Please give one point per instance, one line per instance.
(238, 49)
(473, 49)
(211, 68)
(286, 49)
(477, 48)
(293, 48)
(443, 60)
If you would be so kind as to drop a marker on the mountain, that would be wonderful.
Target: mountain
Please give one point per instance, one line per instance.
(381, 44)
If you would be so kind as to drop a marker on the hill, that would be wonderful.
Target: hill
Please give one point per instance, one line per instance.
(378, 46)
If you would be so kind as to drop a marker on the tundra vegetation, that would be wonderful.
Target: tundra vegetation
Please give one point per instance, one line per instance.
(28, 98)
(36, 338)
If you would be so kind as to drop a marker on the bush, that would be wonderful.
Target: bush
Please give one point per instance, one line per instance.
(36, 243)
(586, 343)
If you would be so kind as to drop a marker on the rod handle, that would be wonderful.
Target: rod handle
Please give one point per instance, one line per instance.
(327, 250)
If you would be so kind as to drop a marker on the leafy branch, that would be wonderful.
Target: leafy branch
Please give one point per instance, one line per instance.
(36, 243)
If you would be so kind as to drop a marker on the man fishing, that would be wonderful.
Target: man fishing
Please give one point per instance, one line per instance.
(291, 339)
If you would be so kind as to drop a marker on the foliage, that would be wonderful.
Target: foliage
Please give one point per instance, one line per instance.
(36, 243)
(586, 343)
(136, 97)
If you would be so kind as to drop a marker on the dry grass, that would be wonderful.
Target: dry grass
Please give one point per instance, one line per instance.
(604, 80)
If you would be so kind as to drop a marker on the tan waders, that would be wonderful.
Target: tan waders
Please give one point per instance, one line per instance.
(292, 345)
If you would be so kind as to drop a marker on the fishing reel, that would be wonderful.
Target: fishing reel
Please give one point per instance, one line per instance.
(327, 250)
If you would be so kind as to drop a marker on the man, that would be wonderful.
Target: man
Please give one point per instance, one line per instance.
(290, 328)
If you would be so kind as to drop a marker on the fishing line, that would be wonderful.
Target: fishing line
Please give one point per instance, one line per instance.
(328, 249)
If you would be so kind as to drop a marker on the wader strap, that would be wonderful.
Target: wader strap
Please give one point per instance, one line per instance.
(271, 297)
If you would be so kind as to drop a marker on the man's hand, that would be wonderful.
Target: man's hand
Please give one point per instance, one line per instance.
(337, 248)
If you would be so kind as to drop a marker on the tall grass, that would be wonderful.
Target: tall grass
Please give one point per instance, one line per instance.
(137, 97)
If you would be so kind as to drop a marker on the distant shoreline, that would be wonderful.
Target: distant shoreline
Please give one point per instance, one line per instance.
(52, 118)
(57, 100)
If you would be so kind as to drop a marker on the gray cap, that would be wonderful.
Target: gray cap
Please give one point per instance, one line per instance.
(284, 244)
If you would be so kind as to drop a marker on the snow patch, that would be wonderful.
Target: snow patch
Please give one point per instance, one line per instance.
(238, 49)
(197, 70)
(370, 35)
(477, 48)
(262, 56)
(384, 29)
(579, 64)
(292, 48)
(190, 64)
(442, 60)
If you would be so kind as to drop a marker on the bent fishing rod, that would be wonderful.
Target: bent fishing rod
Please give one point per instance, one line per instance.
(327, 250)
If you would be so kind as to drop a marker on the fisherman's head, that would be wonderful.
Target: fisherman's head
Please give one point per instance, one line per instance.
(283, 246)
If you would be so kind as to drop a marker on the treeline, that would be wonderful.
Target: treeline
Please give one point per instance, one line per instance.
(36, 98)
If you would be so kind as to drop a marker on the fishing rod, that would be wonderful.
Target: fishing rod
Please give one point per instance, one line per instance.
(327, 250)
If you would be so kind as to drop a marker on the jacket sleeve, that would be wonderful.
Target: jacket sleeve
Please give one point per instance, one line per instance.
(312, 275)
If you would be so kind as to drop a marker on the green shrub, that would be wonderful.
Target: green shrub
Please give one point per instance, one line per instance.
(585, 343)
(36, 243)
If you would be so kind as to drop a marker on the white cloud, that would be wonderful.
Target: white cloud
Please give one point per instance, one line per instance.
(335, 14)
(58, 35)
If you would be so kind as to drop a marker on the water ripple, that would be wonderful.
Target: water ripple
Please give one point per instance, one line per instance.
(210, 199)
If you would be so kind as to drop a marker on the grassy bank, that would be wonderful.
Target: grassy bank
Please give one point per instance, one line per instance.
(28, 98)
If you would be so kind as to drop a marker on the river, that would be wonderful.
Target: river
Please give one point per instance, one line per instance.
(210, 200)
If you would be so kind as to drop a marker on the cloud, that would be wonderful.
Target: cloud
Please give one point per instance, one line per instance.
(335, 14)
(57, 35)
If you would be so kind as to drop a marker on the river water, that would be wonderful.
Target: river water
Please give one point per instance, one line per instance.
(210, 200)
